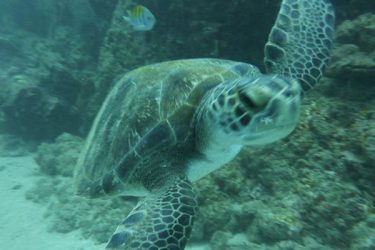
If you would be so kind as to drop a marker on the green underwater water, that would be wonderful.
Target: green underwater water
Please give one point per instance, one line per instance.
(315, 189)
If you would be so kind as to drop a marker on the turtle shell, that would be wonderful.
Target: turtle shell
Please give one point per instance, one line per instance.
(148, 114)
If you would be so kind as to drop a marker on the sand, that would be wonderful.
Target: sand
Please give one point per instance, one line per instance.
(22, 224)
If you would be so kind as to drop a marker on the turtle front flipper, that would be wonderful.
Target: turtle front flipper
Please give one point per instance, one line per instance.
(300, 41)
(161, 221)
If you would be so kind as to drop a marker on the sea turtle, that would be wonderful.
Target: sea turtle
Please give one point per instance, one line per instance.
(166, 125)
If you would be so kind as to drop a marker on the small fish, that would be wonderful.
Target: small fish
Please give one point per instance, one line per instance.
(140, 18)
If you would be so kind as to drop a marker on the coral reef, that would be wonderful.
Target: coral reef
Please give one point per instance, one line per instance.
(95, 218)
(59, 158)
(46, 65)
(310, 186)
(75, 50)
(313, 190)
(11, 145)
(350, 9)
(298, 193)
(353, 55)
(56, 189)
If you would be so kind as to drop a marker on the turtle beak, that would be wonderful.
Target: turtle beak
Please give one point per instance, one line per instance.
(255, 99)
(275, 104)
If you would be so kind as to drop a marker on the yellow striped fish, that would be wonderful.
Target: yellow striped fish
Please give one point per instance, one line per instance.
(140, 18)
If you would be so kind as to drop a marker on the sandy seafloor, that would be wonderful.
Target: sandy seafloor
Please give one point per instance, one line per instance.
(22, 224)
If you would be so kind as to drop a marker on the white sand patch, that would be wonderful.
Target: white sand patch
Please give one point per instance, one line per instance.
(22, 225)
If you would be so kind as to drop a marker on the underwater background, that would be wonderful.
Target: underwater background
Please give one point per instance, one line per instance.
(314, 189)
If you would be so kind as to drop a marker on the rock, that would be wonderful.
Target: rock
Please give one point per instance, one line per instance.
(11, 145)
(103, 9)
(364, 235)
(279, 225)
(311, 243)
(8, 48)
(35, 115)
(227, 241)
(349, 9)
(66, 212)
(289, 245)
(337, 206)
(47, 61)
(349, 61)
(59, 158)
(360, 31)
(353, 54)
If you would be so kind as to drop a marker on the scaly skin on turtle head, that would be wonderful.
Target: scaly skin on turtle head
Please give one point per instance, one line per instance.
(250, 111)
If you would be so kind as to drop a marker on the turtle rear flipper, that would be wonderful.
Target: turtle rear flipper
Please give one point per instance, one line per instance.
(162, 221)
(300, 41)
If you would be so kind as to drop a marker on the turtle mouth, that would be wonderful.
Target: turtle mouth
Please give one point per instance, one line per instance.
(254, 101)
(247, 101)
(276, 127)
(261, 136)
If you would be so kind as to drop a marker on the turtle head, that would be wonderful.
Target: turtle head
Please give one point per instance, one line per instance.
(254, 111)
